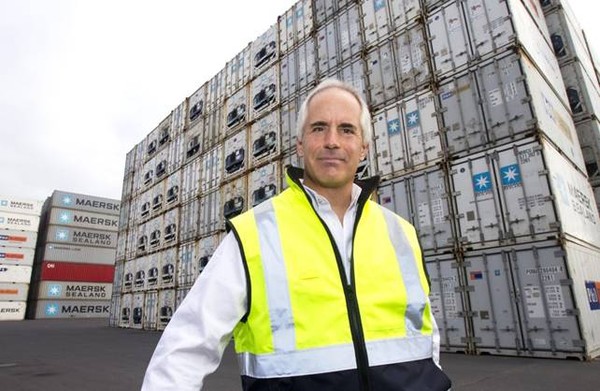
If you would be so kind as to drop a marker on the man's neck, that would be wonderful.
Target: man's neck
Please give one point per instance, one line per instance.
(339, 198)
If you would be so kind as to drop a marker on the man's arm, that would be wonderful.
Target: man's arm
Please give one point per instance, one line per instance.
(193, 342)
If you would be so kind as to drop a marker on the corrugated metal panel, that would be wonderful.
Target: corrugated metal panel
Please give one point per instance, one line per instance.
(150, 320)
(412, 59)
(448, 302)
(376, 21)
(137, 310)
(234, 196)
(173, 189)
(423, 198)
(589, 137)
(326, 9)
(176, 152)
(100, 205)
(20, 206)
(187, 265)
(190, 180)
(15, 221)
(10, 291)
(211, 213)
(214, 129)
(295, 25)
(381, 78)
(60, 290)
(238, 71)
(403, 13)
(265, 50)
(190, 220)
(15, 273)
(16, 256)
(306, 60)
(168, 264)
(216, 91)
(178, 118)
(125, 318)
(12, 310)
(77, 218)
(84, 237)
(583, 94)
(18, 238)
(340, 40)
(115, 310)
(69, 271)
(212, 169)
(139, 273)
(79, 254)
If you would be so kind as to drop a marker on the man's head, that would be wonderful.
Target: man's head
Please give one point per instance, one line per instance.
(334, 127)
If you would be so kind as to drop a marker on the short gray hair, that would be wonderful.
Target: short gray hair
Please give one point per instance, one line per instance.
(365, 116)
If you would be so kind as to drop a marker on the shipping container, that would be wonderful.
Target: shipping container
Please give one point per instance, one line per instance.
(156, 228)
(166, 307)
(128, 270)
(187, 264)
(589, 136)
(140, 267)
(16, 256)
(115, 310)
(15, 273)
(234, 196)
(295, 25)
(60, 290)
(82, 202)
(214, 127)
(264, 92)
(18, 222)
(11, 291)
(263, 183)
(235, 152)
(168, 266)
(340, 40)
(173, 189)
(180, 295)
(70, 271)
(80, 236)
(78, 254)
(61, 309)
(512, 100)
(197, 105)
(14, 205)
(522, 192)
(191, 220)
(211, 213)
(176, 152)
(12, 310)
(238, 71)
(190, 180)
(77, 218)
(582, 91)
(376, 21)
(211, 169)
(265, 139)
(125, 318)
(124, 215)
(265, 50)
(170, 228)
(448, 302)
(423, 198)
(206, 248)
(18, 238)
(152, 270)
(193, 140)
(179, 118)
(407, 135)
(327, 9)
(216, 91)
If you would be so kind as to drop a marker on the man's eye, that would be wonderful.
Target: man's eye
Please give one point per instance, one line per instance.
(348, 130)
(318, 128)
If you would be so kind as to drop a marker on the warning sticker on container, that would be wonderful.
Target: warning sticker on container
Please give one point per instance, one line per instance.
(593, 293)
(556, 302)
(534, 302)
(449, 304)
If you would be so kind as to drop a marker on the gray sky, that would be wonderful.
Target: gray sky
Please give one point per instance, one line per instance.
(82, 82)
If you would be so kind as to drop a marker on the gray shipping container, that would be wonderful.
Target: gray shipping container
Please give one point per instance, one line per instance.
(19, 222)
(61, 290)
(18, 238)
(15, 273)
(81, 236)
(10, 291)
(77, 218)
(106, 206)
(55, 309)
(16, 256)
(20, 205)
(79, 254)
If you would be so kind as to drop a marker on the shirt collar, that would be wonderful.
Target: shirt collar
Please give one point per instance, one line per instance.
(318, 200)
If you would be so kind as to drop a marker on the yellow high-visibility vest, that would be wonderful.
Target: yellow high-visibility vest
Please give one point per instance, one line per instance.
(304, 318)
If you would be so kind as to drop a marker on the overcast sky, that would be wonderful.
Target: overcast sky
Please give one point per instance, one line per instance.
(82, 82)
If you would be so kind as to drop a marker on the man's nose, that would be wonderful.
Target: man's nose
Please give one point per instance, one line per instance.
(331, 138)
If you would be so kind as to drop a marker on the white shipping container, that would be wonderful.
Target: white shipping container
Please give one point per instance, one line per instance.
(214, 129)
(139, 273)
(327, 9)
(206, 248)
(216, 91)
(18, 238)
(162, 166)
(422, 198)
(61, 290)
(79, 254)
(306, 59)
(173, 188)
(15, 273)
(382, 83)
(448, 302)
(81, 236)
(197, 104)
(171, 227)
(176, 152)
(582, 92)
(288, 75)
(589, 136)
(340, 40)
(12, 310)
(10, 291)
(412, 58)
(19, 222)
(190, 220)
(194, 140)
(295, 25)
(156, 227)
(407, 135)
(264, 92)
(121, 250)
(211, 169)
(55, 309)
(16, 256)
(127, 190)
(187, 265)
(376, 21)
(265, 50)
(14, 205)
(235, 150)
(128, 270)
(265, 139)
(150, 321)
(77, 218)
(235, 197)
(124, 215)
(238, 71)
(143, 244)
(130, 161)
(115, 310)
(166, 307)
(211, 213)
(403, 13)
(131, 243)
(82, 202)
(263, 183)
(178, 118)
(137, 310)
(180, 295)
(168, 264)
(125, 319)
(521, 193)
(288, 117)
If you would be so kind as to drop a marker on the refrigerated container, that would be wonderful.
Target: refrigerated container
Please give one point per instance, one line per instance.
(16, 256)
(87, 203)
(295, 25)
(15, 273)
(61, 309)
(16, 205)
(72, 253)
(166, 307)
(61, 290)
(265, 139)
(80, 236)
(18, 238)
(263, 183)
(78, 218)
(19, 222)
(12, 291)
(12, 310)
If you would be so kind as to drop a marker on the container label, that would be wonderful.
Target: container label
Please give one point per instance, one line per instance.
(482, 182)
(593, 294)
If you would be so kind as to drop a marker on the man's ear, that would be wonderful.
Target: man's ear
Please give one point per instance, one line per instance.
(299, 147)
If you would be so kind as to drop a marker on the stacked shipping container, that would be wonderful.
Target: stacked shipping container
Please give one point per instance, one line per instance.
(475, 139)
(19, 223)
(74, 265)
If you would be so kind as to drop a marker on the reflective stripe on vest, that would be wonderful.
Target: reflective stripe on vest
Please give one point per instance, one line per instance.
(298, 320)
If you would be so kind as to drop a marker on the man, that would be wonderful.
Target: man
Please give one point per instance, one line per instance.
(323, 288)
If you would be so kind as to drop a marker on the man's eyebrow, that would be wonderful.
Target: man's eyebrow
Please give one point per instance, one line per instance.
(347, 125)
(318, 123)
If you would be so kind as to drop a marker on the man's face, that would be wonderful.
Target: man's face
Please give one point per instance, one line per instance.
(331, 144)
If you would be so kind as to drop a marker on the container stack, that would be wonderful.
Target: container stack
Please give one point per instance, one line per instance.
(74, 263)
(476, 138)
(19, 223)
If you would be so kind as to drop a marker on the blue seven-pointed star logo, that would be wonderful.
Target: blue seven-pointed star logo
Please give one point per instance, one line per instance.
(482, 182)
(511, 175)
(54, 290)
(393, 127)
(51, 309)
(412, 119)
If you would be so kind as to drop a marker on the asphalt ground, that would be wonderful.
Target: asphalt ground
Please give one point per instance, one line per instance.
(87, 354)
